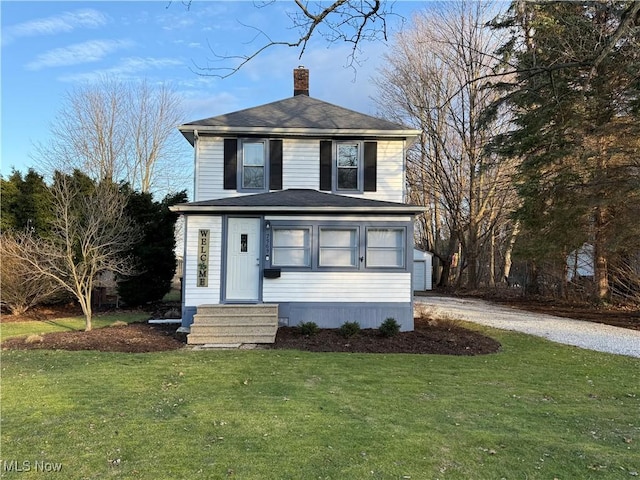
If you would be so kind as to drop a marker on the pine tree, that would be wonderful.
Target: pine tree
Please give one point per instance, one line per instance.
(575, 93)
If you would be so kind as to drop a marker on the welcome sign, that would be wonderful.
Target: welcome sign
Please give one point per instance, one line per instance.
(203, 258)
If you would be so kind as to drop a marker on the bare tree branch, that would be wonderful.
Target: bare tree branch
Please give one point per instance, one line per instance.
(429, 82)
(118, 131)
(343, 21)
(629, 18)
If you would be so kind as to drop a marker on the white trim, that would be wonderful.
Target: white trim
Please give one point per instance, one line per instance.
(342, 218)
(303, 132)
(409, 209)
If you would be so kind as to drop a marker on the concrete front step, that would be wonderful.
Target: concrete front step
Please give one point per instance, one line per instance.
(235, 309)
(239, 329)
(196, 339)
(231, 320)
(231, 324)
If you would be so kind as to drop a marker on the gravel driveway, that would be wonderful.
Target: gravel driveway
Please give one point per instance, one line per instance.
(593, 336)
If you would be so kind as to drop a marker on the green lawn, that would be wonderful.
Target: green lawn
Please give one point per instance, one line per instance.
(18, 329)
(536, 410)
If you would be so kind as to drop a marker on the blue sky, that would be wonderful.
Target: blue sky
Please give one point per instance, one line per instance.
(50, 47)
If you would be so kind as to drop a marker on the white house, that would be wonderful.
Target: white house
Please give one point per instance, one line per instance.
(298, 216)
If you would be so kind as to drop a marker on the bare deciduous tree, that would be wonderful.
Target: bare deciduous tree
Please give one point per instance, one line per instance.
(118, 131)
(22, 287)
(431, 82)
(90, 234)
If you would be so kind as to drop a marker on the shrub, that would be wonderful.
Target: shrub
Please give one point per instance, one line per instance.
(349, 329)
(153, 255)
(308, 328)
(389, 328)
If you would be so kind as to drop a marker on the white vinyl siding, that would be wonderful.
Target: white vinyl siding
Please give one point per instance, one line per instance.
(195, 295)
(301, 164)
(210, 170)
(300, 169)
(390, 184)
(339, 287)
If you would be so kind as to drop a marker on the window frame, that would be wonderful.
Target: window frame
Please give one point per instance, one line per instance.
(241, 165)
(403, 248)
(308, 247)
(355, 248)
(359, 167)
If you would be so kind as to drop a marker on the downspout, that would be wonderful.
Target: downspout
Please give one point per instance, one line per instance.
(196, 169)
(404, 171)
(184, 328)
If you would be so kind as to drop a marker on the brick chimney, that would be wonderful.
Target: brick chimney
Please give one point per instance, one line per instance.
(301, 81)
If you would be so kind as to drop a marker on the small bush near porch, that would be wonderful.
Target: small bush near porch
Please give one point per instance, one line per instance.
(533, 410)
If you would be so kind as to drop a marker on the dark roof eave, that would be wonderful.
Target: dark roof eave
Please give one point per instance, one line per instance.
(208, 209)
(190, 132)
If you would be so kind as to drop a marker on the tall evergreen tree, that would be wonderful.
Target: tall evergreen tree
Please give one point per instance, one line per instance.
(154, 255)
(575, 93)
(26, 203)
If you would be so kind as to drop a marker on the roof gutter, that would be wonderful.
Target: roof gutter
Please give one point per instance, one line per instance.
(187, 130)
(208, 209)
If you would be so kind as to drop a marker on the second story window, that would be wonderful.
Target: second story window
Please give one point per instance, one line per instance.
(348, 166)
(348, 162)
(253, 165)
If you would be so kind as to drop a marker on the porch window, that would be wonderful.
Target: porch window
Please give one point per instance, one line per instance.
(253, 165)
(385, 247)
(291, 247)
(338, 247)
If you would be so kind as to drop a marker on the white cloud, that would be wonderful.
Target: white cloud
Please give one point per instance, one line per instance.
(85, 52)
(179, 24)
(62, 23)
(128, 68)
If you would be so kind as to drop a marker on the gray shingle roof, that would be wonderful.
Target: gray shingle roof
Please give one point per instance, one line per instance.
(297, 201)
(300, 111)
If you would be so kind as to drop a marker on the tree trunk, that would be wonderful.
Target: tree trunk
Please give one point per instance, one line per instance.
(601, 277)
(88, 317)
(506, 268)
(85, 304)
(471, 256)
(444, 274)
(564, 284)
(492, 259)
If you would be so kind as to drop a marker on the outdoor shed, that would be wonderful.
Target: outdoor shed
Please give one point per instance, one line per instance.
(422, 270)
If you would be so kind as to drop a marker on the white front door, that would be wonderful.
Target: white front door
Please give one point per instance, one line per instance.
(243, 259)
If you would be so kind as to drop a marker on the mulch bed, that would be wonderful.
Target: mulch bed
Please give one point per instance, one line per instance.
(428, 337)
(132, 338)
(444, 338)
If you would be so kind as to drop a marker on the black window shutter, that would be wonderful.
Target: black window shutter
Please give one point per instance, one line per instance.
(275, 164)
(370, 166)
(325, 164)
(230, 163)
